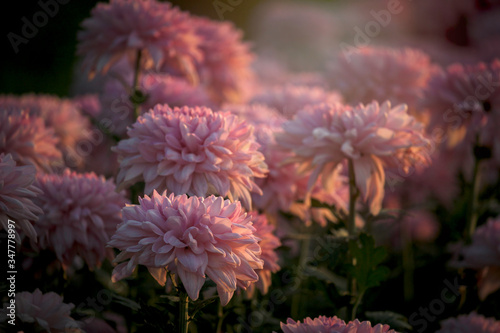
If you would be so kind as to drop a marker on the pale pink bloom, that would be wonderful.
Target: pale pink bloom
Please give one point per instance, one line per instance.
(98, 325)
(61, 114)
(118, 110)
(289, 99)
(257, 115)
(324, 324)
(16, 196)
(192, 151)
(225, 67)
(372, 136)
(321, 324)
(81, 212)
(46, 312)
(194, 238)
(268, 243)
(472, 322)
(123, 27)
(376, 73)
(460, 101)
(27, 139)
(488, 281)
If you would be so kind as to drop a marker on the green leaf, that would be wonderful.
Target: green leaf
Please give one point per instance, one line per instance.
(366, 269)
(324, 274)
(126, 302)
(396, 321)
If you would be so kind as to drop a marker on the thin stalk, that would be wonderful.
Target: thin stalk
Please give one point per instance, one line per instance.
(304, 254)
(220, 314)
(351, 229)
(472, 213)
(183, 313)
(408, 263)
(356, 304)
(135, 83)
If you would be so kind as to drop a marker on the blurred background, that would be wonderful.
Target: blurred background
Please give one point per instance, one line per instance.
(299, 35)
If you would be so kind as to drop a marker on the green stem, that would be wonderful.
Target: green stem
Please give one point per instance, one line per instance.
(408, 263)
(135, 83)
(351, 229)
(183, 313)
(304, 254)
(356, 304)
(220, 314)
(472, 213)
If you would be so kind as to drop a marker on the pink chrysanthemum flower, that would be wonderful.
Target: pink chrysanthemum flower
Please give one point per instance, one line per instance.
(81, 212)
(27, 139)
(225, 69)
(268, 244)
(88, 104)
(372, 136)
(472, 322)
(16, 196)
(192, 237)
(118, 110)
(192, 151)
(369, 73)
(461, 99)
(324, 324)
(43, 313)
(289, 99)
(124, 27)
(61, 114)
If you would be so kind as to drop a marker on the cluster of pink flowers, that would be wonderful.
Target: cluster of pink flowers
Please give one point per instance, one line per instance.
(472, 322)
(191, 237)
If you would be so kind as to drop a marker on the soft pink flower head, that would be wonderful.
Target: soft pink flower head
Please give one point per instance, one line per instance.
(461, 99)
(61, 114)
(27, 139)
(81, 212)
(123, 27)
(46, 312)
(324, 324)
(193, 151)
(375, 73)
(118, 110)
(225, 69)
(472, 322)
(192, 237)
(485, 248)
(289, 99)
(88, 104)
(372, 136)
(268, 244)
(16, 196)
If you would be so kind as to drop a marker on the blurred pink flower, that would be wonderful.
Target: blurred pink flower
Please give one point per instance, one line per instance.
(16, 196)
(61, 114)
(81, 212)
(472, 322)
(192, 151)
(225, 68)
(46, 312)
(27, 139)
(118, 110)
(122, 27)
(485, 248)
(376, 73)
(372, 136)
(460, 100)
(88, 104)
(192, 237)
(289, 99)
(324, 324)
(268, 244)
